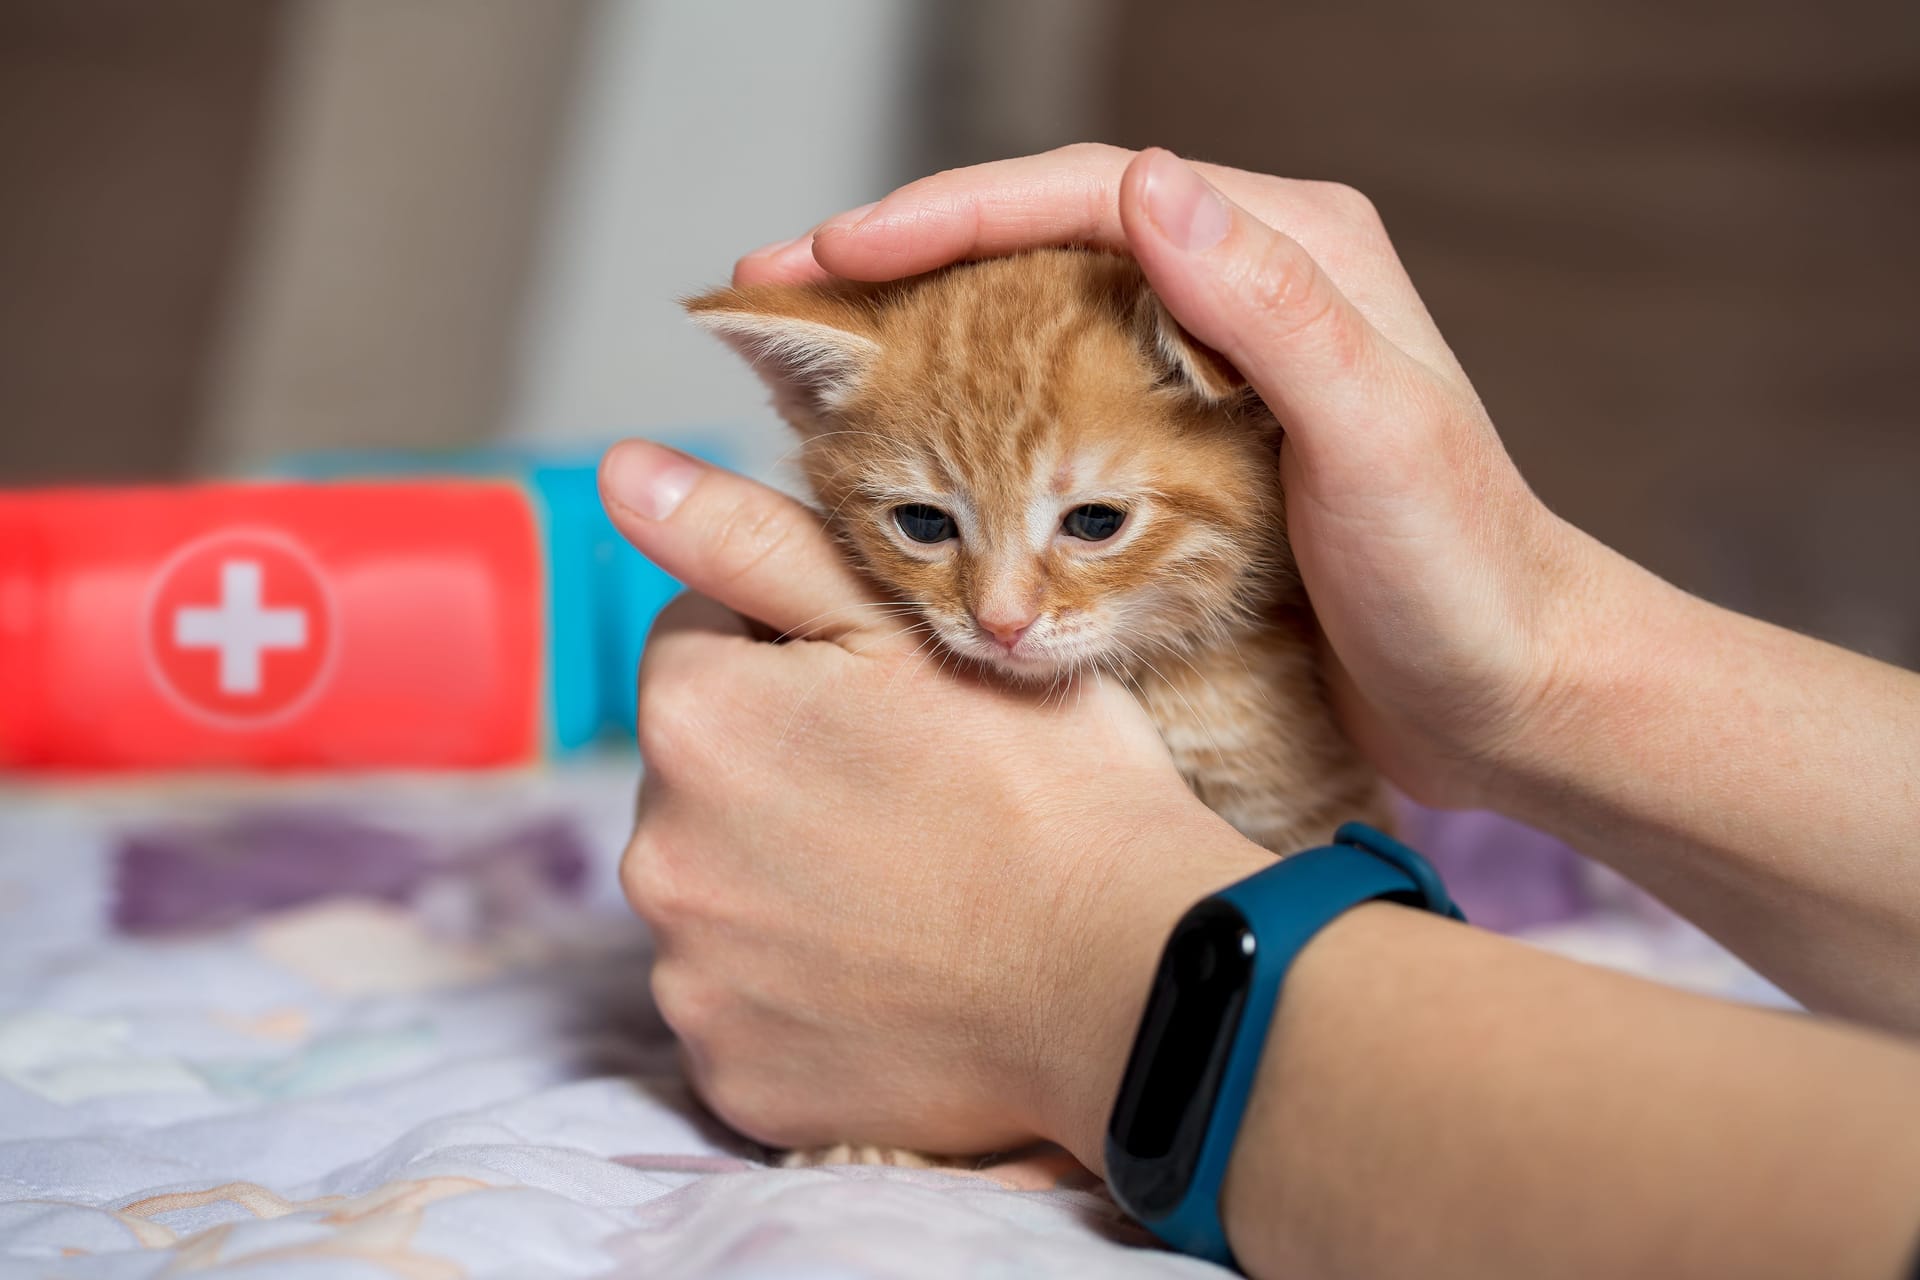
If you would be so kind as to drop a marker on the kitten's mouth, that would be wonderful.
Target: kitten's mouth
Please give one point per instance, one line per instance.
(1034, 666)
(1027, 662)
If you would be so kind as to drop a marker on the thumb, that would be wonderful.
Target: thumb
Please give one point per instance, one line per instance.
(1255, 296)
(756, 551)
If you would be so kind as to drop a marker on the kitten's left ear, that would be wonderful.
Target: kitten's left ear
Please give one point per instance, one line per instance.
(810, 344)
(1199, 370)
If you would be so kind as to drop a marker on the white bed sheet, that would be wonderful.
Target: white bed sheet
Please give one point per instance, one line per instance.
(429, 1087)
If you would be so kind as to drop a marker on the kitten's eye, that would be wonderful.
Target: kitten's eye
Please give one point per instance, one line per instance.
(1095, 522)
(923, 523)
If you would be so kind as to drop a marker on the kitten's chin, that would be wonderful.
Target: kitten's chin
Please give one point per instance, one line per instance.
(1038, 667)
(1041, 661)
(1025, 670)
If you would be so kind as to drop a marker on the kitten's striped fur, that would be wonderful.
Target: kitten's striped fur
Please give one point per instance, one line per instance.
(1005, 393)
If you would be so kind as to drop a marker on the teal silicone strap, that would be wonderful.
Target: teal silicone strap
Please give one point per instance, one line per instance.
(1285, 905)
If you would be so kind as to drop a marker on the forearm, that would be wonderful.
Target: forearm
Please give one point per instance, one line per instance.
(1439, 1100)
(1562, 1120)
(1765, 784)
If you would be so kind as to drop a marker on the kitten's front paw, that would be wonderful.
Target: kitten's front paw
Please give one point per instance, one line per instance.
(849, 1153)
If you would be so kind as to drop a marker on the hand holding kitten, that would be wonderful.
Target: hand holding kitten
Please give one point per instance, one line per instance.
(856, 868)
(1435, 573)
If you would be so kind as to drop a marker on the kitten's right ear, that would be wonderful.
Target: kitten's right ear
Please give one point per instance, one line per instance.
(811, 346)
(1199, 370)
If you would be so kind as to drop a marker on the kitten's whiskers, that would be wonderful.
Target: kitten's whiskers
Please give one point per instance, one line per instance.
(888, 609)
(1192, 710)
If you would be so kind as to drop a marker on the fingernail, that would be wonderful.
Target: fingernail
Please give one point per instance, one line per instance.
(849, 220)
(779, 247)
(648, 480)
(798, 247)
(781, 257)
(1187, 211)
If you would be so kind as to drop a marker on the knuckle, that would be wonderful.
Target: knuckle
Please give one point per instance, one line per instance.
(732, 1084)
(1098, 152)
(645, 882)
(1349, 203)
(750, 535)
(748, 1106)
(1290, 294)
(685, 1004)
(668, 719)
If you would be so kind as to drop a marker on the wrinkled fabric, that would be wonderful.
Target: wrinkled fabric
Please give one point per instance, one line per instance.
(407, 1033)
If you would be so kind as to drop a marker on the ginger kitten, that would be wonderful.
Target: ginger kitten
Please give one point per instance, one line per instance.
(1034, 454)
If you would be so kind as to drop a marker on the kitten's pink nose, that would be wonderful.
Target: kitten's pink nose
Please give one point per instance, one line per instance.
(1006, 628)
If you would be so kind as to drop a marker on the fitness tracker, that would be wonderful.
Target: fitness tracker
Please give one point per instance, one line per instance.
(1195, 1056)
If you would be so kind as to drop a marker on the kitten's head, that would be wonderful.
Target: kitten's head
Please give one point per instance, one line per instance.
(1030, 451)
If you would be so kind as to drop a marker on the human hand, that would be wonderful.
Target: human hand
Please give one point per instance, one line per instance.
(891, 904)
(1450, 597)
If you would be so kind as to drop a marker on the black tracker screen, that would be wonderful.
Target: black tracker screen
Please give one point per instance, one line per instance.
(1173, 1074)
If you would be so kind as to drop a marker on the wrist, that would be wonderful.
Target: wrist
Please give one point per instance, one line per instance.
(1457, 709)
(1578, 665)
(1606, 643)
(1101, 976)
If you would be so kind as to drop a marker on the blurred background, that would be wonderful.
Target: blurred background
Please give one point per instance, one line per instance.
(1674, 243)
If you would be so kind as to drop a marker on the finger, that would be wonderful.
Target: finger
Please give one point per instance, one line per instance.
(1259, 298)
(690, 639)
(789, 261)
(1058, 197)
(1070, 196)
(753, 550)
(693, 627)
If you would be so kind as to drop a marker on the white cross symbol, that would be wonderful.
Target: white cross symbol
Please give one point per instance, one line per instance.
(240, 629)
